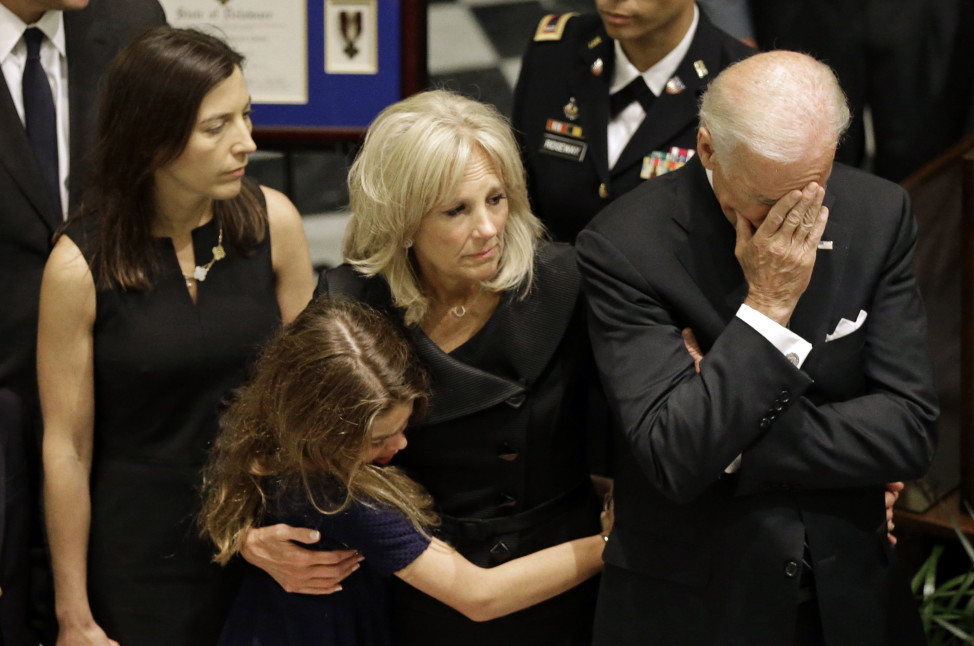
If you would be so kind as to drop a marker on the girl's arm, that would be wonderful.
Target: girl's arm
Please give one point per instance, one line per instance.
(487, 593)
(65, 373)
(289, 255)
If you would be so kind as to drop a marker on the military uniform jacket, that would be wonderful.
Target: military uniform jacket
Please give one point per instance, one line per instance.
(569, 178)
(818, 443)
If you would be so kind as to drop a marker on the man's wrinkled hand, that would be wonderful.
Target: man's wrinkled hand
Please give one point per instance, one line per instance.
(778, 256)
(693, 347)
(296, 568)
(893, 490)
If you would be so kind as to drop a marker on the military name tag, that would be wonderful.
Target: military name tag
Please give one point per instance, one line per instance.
(563, 147)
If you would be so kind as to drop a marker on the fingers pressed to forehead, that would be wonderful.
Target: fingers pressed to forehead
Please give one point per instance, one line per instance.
(813, 196)
(811, 199)
(778, 212)
(804, 217)
(818, 227)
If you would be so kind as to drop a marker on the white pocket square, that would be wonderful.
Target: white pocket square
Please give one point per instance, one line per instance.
(846, 327)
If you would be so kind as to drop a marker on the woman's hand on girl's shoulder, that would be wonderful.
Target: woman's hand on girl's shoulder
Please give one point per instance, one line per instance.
(276, 550)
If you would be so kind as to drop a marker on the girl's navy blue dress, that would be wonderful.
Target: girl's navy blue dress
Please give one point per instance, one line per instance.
(265, 615)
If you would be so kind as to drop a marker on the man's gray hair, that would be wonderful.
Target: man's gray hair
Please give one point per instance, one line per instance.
(781, 105)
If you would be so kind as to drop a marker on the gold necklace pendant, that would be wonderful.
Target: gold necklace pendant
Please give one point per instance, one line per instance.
(202, 271)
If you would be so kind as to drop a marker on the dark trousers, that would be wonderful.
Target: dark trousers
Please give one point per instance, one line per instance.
(808, 624)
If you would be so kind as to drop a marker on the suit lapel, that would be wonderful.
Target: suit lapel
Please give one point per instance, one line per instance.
(672, 114)
(813, 314)
(17, 158)
(532, 329)
(591, 93)
(708, 252)
(92, 46)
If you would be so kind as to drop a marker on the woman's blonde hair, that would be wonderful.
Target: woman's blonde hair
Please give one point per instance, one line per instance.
(413, 159)
(305, 418)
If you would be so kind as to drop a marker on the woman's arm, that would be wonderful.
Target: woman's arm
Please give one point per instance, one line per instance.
(482, 594)
(65, 376)
(289, 255)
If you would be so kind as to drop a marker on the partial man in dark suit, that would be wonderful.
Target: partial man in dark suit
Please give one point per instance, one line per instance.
(588, 135)
(750, 499)
(15, 519)
(908, 61)
(41, 176)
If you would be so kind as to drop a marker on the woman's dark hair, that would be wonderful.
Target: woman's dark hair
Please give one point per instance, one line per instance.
(149, 107)
(305, 417)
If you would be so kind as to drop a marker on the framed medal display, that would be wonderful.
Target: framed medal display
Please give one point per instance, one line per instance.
(319, 71)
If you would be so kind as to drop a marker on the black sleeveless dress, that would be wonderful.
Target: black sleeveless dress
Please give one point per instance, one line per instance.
(162, 369)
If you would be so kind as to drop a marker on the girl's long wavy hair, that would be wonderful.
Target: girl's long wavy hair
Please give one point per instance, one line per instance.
(149, 107)
(305, 417)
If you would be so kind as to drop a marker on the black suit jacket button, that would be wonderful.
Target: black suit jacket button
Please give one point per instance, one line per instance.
(507, 452)
(500, 553)
(765, 424)
(784, 396)
(516, 401)
(792, 569)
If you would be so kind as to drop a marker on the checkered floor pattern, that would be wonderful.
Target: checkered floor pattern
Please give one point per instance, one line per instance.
(475, 46)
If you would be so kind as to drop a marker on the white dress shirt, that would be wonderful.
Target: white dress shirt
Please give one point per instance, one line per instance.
(13, 58)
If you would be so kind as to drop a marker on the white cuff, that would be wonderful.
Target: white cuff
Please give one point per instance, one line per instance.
(791, 345)
(734, 466)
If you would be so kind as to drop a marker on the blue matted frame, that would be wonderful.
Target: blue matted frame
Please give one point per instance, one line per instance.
(341, 106)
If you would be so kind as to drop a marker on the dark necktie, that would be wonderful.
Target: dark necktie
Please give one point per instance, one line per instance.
(39, 115)
(637, 90)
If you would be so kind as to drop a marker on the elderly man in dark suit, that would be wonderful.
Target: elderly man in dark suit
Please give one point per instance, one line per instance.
(749, 499)
(42, 145)
(607, 101)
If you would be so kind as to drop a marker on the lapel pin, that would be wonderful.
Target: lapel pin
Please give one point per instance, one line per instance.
(597, 67)
(595, 42)
(571, 109)
(825, 245)
(675, 85)
(700, 68)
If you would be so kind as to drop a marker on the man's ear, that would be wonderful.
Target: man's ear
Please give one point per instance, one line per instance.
(705, 148)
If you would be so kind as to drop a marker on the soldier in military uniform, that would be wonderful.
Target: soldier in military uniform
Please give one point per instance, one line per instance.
(587, 134)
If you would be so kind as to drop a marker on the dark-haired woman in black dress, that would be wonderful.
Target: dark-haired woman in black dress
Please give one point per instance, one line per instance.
(154, 301)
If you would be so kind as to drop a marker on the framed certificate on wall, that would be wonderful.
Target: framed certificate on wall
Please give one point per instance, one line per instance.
(319, 71)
